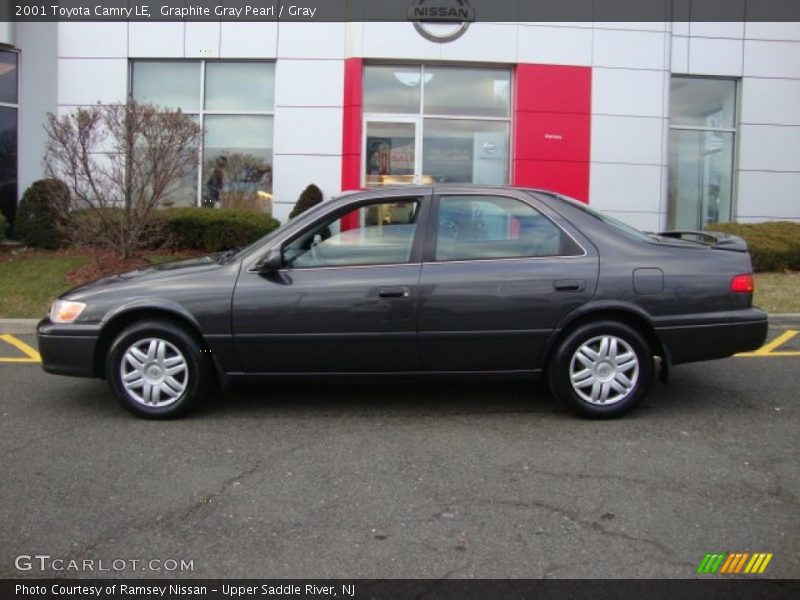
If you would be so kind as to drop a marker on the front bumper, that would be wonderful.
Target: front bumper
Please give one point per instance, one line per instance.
(708, 337)
(67, 349)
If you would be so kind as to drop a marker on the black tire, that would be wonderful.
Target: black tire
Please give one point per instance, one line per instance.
(596, 374)
(181, 390)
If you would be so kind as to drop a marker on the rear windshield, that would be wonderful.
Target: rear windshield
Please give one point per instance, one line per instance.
(625, 228)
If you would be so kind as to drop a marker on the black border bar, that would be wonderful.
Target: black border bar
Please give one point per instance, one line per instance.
(597, 11)
(711, 588)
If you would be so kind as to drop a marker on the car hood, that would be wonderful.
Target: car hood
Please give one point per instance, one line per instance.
(168, 272)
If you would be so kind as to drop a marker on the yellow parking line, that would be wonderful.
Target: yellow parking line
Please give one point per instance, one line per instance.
(31, 354)
(769, 349)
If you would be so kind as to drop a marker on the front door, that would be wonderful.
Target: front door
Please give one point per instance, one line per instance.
(346, 300)
(499, 277)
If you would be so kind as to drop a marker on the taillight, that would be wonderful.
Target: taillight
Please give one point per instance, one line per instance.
(743, 284)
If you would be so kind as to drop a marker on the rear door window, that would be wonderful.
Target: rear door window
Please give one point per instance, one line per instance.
(493, 227)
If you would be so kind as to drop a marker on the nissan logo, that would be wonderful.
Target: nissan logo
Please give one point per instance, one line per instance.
(457, 13)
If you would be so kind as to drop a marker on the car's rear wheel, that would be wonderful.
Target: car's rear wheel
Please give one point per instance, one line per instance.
(156, 370)
(601, 369)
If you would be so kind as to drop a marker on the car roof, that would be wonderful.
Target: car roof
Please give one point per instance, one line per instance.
(441, 188)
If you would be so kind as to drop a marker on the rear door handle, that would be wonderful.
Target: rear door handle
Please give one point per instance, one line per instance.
(394, 292)
(569, 285)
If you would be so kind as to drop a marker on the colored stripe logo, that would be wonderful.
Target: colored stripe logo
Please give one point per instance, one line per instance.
(735, 562)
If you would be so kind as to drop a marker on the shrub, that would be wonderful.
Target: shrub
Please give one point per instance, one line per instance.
(311, 196)
(774, 245)
(40, 219)
(213, 230)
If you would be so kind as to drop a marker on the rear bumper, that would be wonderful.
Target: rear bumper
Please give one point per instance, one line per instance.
(67, 349)
(728, 334)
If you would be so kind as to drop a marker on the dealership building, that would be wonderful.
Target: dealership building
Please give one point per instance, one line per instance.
(662, 124)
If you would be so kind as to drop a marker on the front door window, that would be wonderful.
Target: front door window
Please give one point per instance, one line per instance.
(374, 234)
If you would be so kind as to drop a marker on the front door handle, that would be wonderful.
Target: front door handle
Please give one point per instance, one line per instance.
(394, 292)
(569, 285)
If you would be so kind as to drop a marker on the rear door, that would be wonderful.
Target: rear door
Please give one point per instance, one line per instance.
(500, 272)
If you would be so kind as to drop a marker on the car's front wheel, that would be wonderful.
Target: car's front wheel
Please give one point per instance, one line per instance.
(156, 370)
(601, 369)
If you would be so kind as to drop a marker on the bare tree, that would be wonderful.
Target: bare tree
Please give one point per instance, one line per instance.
(120, 163)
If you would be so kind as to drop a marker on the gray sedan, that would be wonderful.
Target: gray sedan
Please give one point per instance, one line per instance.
(418, 282)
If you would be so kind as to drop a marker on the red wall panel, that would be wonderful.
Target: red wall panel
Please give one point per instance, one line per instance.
(552, 128)
(351, 123)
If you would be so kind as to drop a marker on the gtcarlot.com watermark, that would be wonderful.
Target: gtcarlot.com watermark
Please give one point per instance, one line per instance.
(46, 563)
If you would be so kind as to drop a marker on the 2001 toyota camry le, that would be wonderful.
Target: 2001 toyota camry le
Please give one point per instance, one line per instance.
(417, 282)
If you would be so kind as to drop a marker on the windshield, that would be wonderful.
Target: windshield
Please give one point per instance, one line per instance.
(624, 227)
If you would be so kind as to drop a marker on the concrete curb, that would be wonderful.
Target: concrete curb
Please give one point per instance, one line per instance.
(28, 326)
(788, 320)
(18, 326)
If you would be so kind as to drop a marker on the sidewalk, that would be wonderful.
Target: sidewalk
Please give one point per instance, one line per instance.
(28, 326)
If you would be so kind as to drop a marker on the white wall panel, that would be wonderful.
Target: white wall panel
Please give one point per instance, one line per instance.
(772, 59)
(713, 56)
(643, 221)
(555, 45)
(308, 130)
(309, 82)
(769, 148)
(628, 92)
(768, 195)
(680, 54)
(293, 173)
(393, 40)
(772, 31)
(89, 80)
(202, 40)
(625, 187)
(311, 40)
(680, 28)
(484, 42)
(93, 40)
(248, 40)
(631, 140)
(733, 30)
(157, 40)
(629, 49)
(633, 25)
(774, 101)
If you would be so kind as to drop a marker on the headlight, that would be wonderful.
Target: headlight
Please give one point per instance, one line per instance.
(65, 311)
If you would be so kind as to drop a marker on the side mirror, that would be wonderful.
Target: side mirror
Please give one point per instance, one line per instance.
(273, 261)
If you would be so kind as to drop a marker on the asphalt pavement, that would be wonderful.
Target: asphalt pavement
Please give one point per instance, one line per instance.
(491, 480)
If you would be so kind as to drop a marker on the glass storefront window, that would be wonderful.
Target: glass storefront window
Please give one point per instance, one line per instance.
(237, 162)
(392, 89)
(701, 151)
(426, 124)
(245, 86)
(8, 77)
(467, 92)
(700, 182)
(391, 153)
(465, 151)
(168, 84)
(235, 108)
(8, 136)
(703, 102)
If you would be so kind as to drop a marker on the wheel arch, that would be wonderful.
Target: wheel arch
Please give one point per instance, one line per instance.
(630, 315)
(129, 314)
